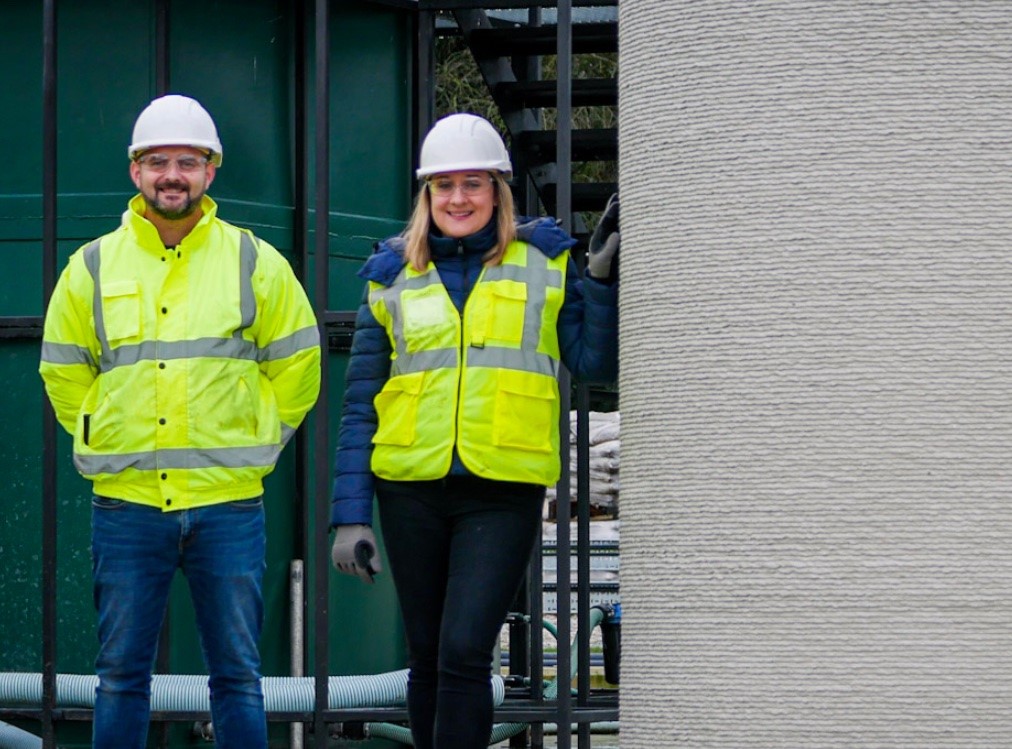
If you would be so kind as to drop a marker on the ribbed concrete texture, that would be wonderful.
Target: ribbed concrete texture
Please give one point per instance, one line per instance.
(816, 374)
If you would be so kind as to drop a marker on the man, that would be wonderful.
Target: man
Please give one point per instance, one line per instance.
(181, 353)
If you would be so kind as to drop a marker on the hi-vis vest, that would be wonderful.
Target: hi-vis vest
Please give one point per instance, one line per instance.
(487, 382)
(181, 374)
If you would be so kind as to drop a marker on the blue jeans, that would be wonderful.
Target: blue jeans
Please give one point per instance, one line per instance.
(458, 549)
(136, 550)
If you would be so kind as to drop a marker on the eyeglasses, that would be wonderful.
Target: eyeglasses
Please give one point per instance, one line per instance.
(471, 186)
(159, 162)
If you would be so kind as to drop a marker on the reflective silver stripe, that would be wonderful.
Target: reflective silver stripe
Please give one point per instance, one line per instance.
(537, 276)
(180, 458)
(407, 361)
(444, 358)
(222, 348)
(247, 266)
(306, 338)
(66, 353)
(91, 262)
(287, 433)
(235, 347)
(552, 277)
(507, 358)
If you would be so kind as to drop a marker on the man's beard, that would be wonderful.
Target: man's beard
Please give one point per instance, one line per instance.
(174, 214)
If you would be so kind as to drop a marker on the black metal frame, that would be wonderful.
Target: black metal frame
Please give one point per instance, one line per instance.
(525, 703)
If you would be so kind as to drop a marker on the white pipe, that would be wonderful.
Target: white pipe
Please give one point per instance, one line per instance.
(12, 737)
(296, 577)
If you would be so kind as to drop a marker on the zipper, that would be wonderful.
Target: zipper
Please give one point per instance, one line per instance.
(462, 365)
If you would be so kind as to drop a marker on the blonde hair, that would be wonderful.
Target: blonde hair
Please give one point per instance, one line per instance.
(416, 233)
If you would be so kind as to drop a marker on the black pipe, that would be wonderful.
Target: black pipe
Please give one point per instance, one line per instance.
(425, 78)
(564, 191)
(162, 48)
(49, 188)
(300, 254)
(322, 458)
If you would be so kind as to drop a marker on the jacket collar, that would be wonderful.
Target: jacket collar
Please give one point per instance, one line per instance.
(478, 243)
(146, 233)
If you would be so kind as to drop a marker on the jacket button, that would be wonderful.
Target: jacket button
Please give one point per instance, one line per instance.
(164, 476)
(161, 421)
(165, 310)
(168, 502)
(161, 365)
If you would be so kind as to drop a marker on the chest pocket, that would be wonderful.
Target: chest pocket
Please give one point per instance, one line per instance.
(498, 313)
(430, 319)
(121, 310)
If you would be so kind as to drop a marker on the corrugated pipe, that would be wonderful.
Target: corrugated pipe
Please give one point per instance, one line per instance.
(14, 738)
(501, 731)
(189, 693)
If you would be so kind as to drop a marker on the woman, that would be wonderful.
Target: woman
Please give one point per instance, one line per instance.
(451, 413)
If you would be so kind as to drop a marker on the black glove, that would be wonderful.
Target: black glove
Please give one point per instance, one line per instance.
(354, 552)
(604, 242)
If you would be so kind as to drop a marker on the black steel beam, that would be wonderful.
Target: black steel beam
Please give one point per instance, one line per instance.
(29, 326)
(300, 252)
(563, 158)
(540, 40)
(592, 144)
(497, 4)
(424, 79)
(49, 499)
(163, 77)
(321, 461)
(399, 4)
(586, 196)
(587, 92)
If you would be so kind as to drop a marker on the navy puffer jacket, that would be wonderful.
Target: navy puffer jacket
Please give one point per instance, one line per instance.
(588, 341)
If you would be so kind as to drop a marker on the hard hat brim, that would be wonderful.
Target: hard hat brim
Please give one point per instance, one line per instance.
(468, 166)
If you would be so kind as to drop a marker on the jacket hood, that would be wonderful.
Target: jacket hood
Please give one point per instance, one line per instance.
(545, 234)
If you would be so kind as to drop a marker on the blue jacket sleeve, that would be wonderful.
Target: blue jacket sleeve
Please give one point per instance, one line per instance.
(588, 328)
(368, 370)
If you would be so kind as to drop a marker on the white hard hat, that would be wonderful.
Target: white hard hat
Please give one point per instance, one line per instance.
(460, 142)
(175, 120)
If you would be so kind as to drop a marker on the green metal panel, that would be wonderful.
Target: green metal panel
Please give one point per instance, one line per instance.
(237, 58)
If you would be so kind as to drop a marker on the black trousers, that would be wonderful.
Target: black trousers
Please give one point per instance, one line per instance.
(458, 549)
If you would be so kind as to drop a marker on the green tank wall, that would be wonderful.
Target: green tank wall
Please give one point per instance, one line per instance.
(237, 58)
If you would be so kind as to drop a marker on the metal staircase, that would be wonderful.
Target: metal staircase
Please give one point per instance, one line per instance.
(513, 49)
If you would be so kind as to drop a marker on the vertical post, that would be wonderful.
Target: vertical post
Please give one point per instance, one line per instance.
(527, 197)
(49, 487)
(163, 656)
(425, 75)
(162, 47)
(300, 256)
(321, 458)
(563, 157)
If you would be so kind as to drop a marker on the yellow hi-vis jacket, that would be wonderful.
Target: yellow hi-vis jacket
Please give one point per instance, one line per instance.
(180, 372)
(486, 381)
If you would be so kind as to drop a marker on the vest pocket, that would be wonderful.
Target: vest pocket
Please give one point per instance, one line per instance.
(430, 319)
(499, 315)
(121, 310)
(526, 412)
(397, 410)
